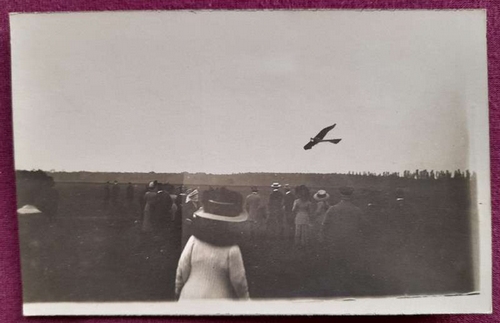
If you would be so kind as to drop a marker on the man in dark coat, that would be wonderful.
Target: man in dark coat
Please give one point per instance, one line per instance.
(343, 238)
(275, 208)
(162, 218)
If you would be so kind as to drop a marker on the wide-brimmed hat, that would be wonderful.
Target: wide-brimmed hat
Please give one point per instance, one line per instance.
(321, 195)
(222, 205)
(29, 209)
(276, 186)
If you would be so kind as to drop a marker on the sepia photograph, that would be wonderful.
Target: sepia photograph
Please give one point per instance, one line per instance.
(304, 162)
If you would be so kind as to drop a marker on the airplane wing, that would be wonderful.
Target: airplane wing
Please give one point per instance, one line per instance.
(309, 145)
(333, 141)
(323, 132)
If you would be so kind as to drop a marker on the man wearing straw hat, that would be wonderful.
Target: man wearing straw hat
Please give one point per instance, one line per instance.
(322, 206)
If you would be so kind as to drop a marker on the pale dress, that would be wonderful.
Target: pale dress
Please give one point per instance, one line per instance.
(207, 271)
(150, 199)
(302, 221)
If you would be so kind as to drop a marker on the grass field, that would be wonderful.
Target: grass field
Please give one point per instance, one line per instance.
(93, 253)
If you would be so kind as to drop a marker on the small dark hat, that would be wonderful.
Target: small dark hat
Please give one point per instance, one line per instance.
(346, 190)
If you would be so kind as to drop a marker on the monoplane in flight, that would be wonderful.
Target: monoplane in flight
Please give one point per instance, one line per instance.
(319, 138)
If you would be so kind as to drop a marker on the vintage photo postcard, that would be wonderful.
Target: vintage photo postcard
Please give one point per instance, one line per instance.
(252, 162)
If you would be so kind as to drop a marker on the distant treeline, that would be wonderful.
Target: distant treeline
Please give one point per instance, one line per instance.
(257, 179)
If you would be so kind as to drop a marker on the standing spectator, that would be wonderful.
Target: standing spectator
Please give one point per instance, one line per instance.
(189, 208)
(288, 201)
(150, 199)
(130, 193)
(322, 205)
(345, 270)
(177, 220)
(302, 208)
(211, 265)
(162, 215)
(253, 203)
(275, 208)
(342, 221)
(129, 196)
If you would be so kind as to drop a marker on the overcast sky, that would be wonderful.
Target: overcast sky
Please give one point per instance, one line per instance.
(225, 92)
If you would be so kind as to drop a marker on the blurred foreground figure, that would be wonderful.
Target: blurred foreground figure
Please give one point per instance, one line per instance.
(341, 227)
(343, 245)
(211, 264)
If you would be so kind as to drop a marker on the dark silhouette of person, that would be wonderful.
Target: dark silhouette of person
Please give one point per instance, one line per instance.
(130, 192)
(275, 208)
(162, 215)
(343, 244)
(288, 200)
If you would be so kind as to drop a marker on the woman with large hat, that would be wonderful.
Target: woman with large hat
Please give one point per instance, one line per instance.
(211, 265)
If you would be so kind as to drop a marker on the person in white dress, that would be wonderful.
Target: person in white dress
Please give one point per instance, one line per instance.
(211, 265)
